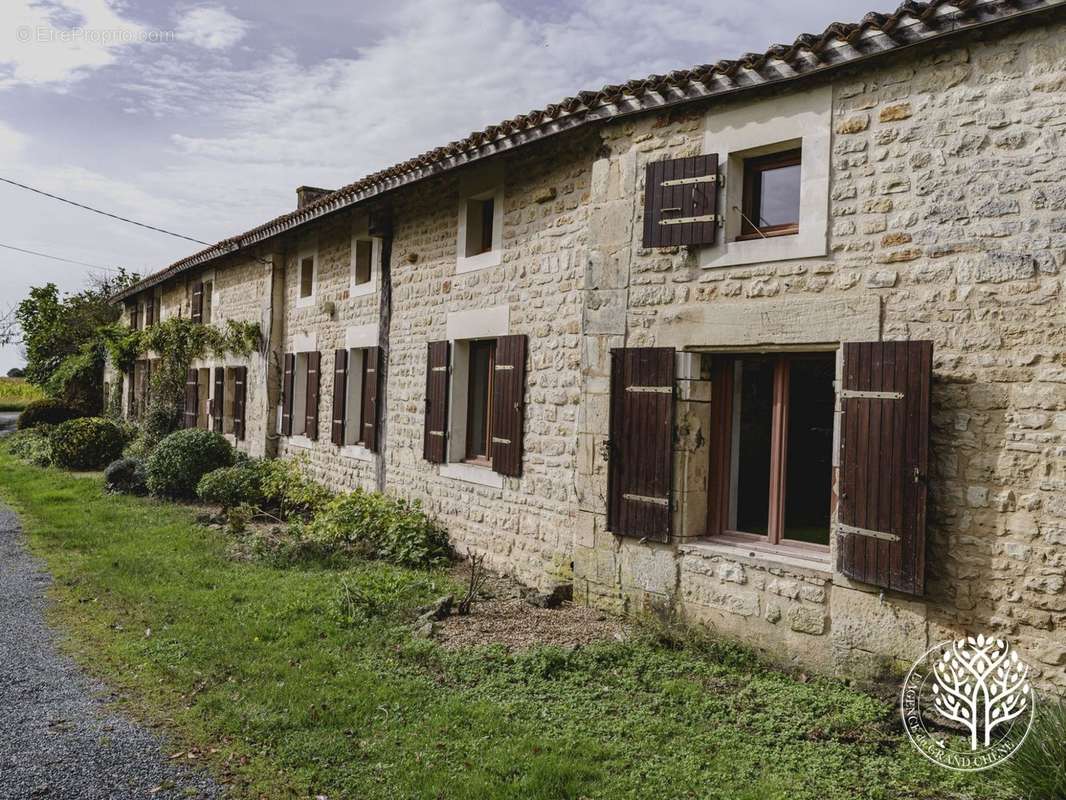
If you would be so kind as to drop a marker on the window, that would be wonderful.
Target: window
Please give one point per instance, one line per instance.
(362, 261)
(480, 240)
(299, 396)
(209, 291)
(773, 417)
(307, 277)
(479, 223)
(771, 199)
(205, 398)
(479, 401)
(229, 396)
(353, 406)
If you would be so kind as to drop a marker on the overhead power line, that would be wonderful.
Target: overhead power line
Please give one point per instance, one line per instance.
(59, 258)
(103, 213)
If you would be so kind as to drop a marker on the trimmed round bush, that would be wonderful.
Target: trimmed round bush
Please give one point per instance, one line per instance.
(126, 476)
(47, 412)
(86, 443)
(182, 458)
(232, 486)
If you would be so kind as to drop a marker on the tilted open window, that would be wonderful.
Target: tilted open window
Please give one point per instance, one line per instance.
(771, 195)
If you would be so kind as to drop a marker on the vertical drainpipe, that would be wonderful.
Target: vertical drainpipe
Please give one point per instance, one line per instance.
(273, 340)
(381, 225)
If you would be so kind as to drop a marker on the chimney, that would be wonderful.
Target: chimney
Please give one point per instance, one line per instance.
(305, 195)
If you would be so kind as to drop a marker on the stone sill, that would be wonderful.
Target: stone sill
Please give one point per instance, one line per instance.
(356, 452)
(472, 474)
(802, 563)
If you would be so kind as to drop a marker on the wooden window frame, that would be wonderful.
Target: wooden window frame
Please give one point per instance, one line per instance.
(486, 459)
(720, 478)
(751, 197)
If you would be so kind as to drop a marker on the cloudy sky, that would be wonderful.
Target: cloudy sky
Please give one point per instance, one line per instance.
(203, 118)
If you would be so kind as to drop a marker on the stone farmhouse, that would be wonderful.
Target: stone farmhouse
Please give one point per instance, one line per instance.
(776, 343)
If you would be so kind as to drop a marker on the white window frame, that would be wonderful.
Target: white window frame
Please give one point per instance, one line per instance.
(299, 396)
(770, 126)
(463, 327)
(370, 286)
(482, 185)
(305, 253)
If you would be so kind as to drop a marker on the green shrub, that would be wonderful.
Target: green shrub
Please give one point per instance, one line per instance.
(288, 490)
(1038, 769)
(126, 476)
(377, 526)
(47, 412)
(229, 487)
(32, 445)
(182, 458)
(86, 443)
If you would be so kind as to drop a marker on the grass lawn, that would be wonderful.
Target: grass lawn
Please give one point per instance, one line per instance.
(16, 394)
(300, 693)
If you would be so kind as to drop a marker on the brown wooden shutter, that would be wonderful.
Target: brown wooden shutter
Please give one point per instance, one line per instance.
(286, 394)
(435, 437)
(135, 318)
(240, 400)
(149, 311)
(314, 364)
(340, 393)
(681, 201)
(884, 457)
(371, 388)
(192, 398)
(198, 301)
(218, 402)
(508, 404)
(639, 474)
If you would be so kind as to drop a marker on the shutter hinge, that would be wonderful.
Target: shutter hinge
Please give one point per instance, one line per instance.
(639, 498)
(687, 181)
(852, 529)
(687, 220)
(860, 394)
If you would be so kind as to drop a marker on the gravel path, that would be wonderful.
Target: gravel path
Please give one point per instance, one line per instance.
(58, 739)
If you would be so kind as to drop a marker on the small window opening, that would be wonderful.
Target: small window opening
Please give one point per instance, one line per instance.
(479, 221)
(207, 304)
(771, 195)
(364, 249)
(307, 276)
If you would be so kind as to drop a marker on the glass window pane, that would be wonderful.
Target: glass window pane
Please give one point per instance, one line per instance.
(479, 399)
(307, 276)
(363, 252)
(779, 196)
(752, 422)
(809, 458)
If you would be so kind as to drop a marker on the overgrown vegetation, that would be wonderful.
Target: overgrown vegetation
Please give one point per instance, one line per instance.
(299, 682)
(17, 393)
(1038, 770)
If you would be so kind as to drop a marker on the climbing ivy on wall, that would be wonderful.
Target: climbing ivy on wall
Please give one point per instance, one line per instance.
(173, 345)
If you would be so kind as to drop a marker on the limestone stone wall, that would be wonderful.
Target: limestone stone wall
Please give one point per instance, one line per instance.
(342, 469)
(947, 222)
(525, 526)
